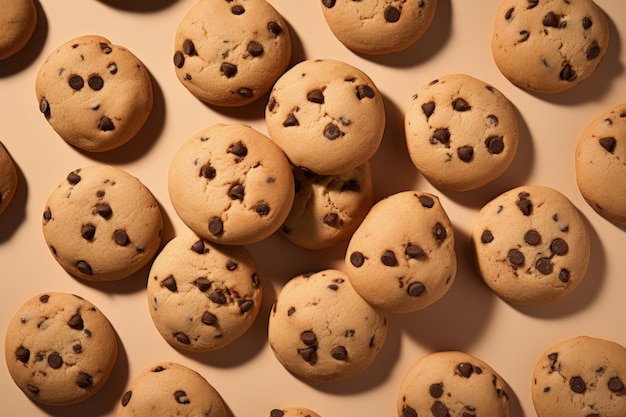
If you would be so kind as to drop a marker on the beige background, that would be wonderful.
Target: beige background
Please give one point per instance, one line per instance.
(251, 381)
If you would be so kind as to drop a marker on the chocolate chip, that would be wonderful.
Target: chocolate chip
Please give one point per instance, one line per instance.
(105, 124)
(486, 237)
(237, 10)
(441, 135)
(170, 283)
(291, 121)
(308, 354)
(516, 257)
(332, 131)
(426, 201)
(436, 390)
(105, 48)
(544, 265)
(532, 4)
(158, 369)
(203, 284)
(256, 281)
(495, 144)
(262, 208)
(84, 267)
(357, 259)
(532, 237)
(523, 35)
(54, 360)
(593, 51)
(77, 348)
(104, 210)
(331, 219)
(392, 14)
(182, 338)
(188, 47)
(465, 153)
(22, 354)
(76, 82)
(208, 172)
(329, 4)
(126, 398)
(567, 73)
(44, 107)
(414, 251)
(388, 258)
(218, 297)
(73, 178)
(121, 238)
(339, 352)
(439, 409)
(428, 108)
(364, 91)
(216, 226)
(408, 411)
(179, 59)
(112, 67)
(564, 275)
(415, 289)
(290, 311)
(229, 70)
(274, 28)
(587, 22)
(47, 215)
(181, 397)
(551, 20)
(95, 82)
(255, 48)
(84, 380)
(44, 298)
(509, 13)
(559, 246)
(308, 338)
(577, 385)
(465, 369)
(245, 306)
(524, 204)
(236, 192)
(88, 231)
(245, 92)
(460, 104)
(608, 144)
(209, 319)
(231, 265)
(316, 96)
(439, 232)
(616, 384)
(493, 120)
(198, 247)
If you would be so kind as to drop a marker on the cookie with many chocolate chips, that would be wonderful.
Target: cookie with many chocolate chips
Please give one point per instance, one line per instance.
(102, 224)
(378, 27)
(321, 329)
(452, 383)
(95, 95)
(230, 52)
(326, 115)
(549, 46)
(231, 184)
(203, 296)
(531, 245)
(17, 25)
(292, 412)
(60, 349)
(402, 258)
(327, 209)
(461, 133)
(170, 389)
(581, 376)
(8, 178)
(601, 164)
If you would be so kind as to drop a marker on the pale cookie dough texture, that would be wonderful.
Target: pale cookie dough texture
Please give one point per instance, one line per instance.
(322, 330)
(461, 133)
(531, 245)
(378, 27)
(549, 46)
(231, 184)
(230, 53)
(60, 349)
(326, 115)
(102, 224)
(8, 178)
(327, 209)
(601, 164)
(292, 412)
(203, 296)
(17, 25)
(95, 95)
(452, 383)
(401, 258)
(581, 376)
(170, 389)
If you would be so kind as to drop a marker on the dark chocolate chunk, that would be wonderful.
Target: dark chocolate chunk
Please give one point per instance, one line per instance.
(77, 348)
(44, 298)
(465, 153)
(316, 96)
(408, 411)
(228, 69)
(414, 251)
(44, 107)
(179, 59)
(587, 22)
(84, 380)
(486, 237)
(181, 396)
(209, 319)
(54, 360)
(182, 338)
(308, 338)
(339, 352)
(218, 297)
(392, 14)
(256, 281)
(76, 82)
(593, 51)
(255, 48)
(426, 201)
(439, 409)
(236, 192)
(238, 149)
(73, 178)
(291, 121)
(559, 246)
(290, 311)
(415, 289)
(495, 144)
(577, 385)
(564, 275)
(567, 73)
(207, 171)
(106, 49)
(231, 265)
(276, 412)
(460, 104)
(551, 20)
(509, 13)
(428, 108)
(388, 258)
(216, 226)
(615, 384)
(105, 124)
(170, 283)
(608, 144)
(436, 390)
(357, 259)
(203, 284)
(237, 10)
(532, 4)
(441, 135)
(364, 91)
(112, 67)
(198, 247)
(245, 92)
(532, 237)
(262, 208)
(274, 28)
(245, 306)
(331, 219)
(126, 398)
(121, 237)
(76, 322)
(524, 204)
(332, 131)
(22, 354)
(523, 35)
(104, 210)
(88, 231)
(308, 354)
(95, 82)
(516, 257)
(84, 267)
(188, 47)
(465, 369)
(493, 119)
(439, 232)
(544, 265)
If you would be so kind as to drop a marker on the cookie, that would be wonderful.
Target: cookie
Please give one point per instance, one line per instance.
(8, 178)
(322, 330)
(549, 46)
(60, 349)
(401, 258)
(461, 133)
(230, 52)
(172, 389)
(600, 161)
(581, 376)
(231, 184)
(95, 95)
(293, 412)
(203, 296)
(327, 209)
(452, 383)
(379, 27)
(102, 224)
(531, 245)
(326, 115)
(17, 25)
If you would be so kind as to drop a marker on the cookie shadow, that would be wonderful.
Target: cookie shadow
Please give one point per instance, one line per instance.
(515, 407)
(31, 51)
(15, 212)
(140, 6)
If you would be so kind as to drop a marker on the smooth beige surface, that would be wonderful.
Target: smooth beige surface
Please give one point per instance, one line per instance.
(469, 317)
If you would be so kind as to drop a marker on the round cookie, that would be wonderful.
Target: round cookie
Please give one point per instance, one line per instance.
(231, 184)
(17, 25)
(531, 245)
(321, 329)
(293, 412)
(102, 224)
(230, 53)
(95, 95)
(170, 389)
(327, 209)
(452, 383)
(581, 376)
(8, 178)
(60, 349)
(203, 296)
(600, 162)
(326, 115)
(549, 46)
(461, 133)
(378, 27)
(401, 258)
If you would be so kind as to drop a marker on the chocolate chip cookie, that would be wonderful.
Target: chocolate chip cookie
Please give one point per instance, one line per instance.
(8, 178)
(292, 412)
(17, 25)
